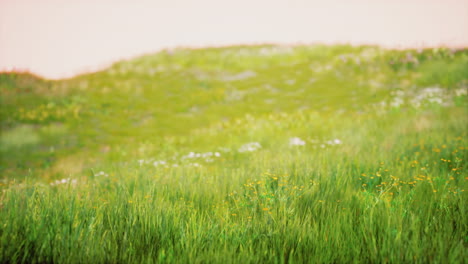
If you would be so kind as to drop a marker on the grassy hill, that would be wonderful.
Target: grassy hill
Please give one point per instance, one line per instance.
(253, 153)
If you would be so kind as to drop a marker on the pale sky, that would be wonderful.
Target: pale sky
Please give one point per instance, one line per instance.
(61, 38)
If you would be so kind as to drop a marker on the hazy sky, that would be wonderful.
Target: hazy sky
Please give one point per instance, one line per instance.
(59, 38)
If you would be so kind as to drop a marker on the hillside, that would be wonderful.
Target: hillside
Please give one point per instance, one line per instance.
(177, 93)
(252, 154)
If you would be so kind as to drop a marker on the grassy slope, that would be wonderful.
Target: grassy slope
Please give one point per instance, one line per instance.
(393, 190)
(170, 94)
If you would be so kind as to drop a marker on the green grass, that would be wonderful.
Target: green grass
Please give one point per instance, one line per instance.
(263, 154)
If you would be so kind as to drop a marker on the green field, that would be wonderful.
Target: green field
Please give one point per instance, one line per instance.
(243, 154)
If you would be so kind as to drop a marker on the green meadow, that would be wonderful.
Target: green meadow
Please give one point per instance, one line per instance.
(242, 154)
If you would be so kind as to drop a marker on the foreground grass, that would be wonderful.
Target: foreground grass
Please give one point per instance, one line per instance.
(349, 163)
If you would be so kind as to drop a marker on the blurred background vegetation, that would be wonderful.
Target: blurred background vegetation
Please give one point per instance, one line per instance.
(53, 128)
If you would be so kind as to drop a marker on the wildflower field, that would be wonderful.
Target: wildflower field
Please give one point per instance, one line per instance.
(244, 154)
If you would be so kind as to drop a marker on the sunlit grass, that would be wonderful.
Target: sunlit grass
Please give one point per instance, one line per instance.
(243, 154)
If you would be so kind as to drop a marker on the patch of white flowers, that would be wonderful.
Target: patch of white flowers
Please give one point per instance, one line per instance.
(159, 163)
(250, 147)
(431, 95)
(198, 159)
(101, 174)
(422, 97)
(205, 155)
(64, 181)
(191, 159)
(332, 142)
(461, 91)
(326, 143)
(295, 141)
(397, 102)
